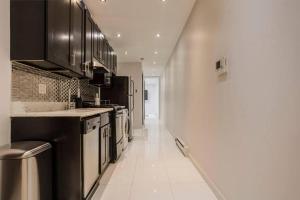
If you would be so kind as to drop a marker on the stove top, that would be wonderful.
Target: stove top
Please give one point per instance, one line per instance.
(92, 105)
(114, 106)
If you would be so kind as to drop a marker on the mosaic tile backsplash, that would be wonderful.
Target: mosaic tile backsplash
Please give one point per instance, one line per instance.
(26, 81)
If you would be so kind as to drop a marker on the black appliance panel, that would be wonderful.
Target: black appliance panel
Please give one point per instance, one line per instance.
(118, 93)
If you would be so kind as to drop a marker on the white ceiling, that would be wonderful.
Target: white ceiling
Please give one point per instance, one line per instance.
(138, 22)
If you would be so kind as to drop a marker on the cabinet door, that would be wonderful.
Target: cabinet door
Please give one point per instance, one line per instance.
(103, 148)
(88, 45)
(108, 144)
(58, 27)
(109, 58)
(95, 41)
(104, 52)
(77, 43)
(114, 65)
(100, 45)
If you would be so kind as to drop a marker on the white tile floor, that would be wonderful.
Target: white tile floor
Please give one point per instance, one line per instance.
(152, 168)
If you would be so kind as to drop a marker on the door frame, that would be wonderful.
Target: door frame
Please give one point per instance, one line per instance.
(144, 87)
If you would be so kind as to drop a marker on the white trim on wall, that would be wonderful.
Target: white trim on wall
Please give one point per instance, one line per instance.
(210, 183)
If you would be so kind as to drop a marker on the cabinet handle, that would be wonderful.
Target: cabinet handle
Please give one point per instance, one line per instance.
(84, 67)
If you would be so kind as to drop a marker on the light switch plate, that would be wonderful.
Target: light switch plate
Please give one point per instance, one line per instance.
(42, 89)
(222, 66)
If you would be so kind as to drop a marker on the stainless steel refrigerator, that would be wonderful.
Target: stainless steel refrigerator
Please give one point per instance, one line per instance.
(121, 92)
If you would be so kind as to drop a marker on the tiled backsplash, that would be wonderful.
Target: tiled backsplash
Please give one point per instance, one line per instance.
(26, 80)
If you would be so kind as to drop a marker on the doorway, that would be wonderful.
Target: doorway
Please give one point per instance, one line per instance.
(151, 96)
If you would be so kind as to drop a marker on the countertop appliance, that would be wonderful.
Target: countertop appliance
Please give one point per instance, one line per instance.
(90, 153)
(121, 92)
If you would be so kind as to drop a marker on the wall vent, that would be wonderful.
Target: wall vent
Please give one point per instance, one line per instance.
(182, 146)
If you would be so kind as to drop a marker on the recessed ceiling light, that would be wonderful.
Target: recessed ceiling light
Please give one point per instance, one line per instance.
(158, 35)
(163, 0)
(125, 52)
(156, 52)
(154, 63)
(103, 1)
(118, 35)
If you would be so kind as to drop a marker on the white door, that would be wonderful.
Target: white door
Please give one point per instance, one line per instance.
(151, 97)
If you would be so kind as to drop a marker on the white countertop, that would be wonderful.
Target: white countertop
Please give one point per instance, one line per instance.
(82, 112)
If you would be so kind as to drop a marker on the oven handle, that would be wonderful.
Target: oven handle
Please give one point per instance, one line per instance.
(127, 125)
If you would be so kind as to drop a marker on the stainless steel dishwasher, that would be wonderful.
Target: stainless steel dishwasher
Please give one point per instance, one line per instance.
(90, 143)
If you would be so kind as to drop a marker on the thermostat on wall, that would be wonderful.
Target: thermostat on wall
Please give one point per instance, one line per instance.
(222, 66)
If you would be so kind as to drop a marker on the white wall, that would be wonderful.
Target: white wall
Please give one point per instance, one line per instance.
(134, 70)
(5, 71)
(243, 130)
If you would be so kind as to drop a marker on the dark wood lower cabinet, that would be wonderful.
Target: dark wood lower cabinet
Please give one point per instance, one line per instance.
(66, 138)
(105, 147)
(64, 134)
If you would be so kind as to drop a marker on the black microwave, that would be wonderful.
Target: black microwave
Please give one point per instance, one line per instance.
(101, 79)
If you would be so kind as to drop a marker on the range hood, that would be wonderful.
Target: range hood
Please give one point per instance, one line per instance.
(99, 67)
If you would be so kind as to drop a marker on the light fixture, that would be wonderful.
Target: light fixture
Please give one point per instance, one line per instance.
(156, 52)
(118, 35)
(125, 52)
(103, 1)
(163, 0)
(154, 63)
(158, 35)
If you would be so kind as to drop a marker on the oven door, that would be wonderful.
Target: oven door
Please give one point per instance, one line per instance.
(119, 133)
(119, 127)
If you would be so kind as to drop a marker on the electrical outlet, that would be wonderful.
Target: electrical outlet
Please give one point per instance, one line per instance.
(42, 89)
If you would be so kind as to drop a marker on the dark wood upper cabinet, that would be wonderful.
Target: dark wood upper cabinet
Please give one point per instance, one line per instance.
(115, 63)
(112, 60)
(96, 43)
(101, 44)
(57, 35)
(88, 47)
(109, 57)
(105, 52)
(77, 36)
(40, 34)
(58, 32)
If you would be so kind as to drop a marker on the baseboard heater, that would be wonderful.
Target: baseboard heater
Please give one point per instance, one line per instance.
(182, 146)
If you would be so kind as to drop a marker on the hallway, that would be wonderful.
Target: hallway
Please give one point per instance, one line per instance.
(152, 168)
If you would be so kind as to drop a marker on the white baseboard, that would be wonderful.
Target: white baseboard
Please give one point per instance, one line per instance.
(210, 183)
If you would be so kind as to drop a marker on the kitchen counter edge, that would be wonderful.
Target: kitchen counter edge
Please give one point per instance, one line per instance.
(82, 113)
